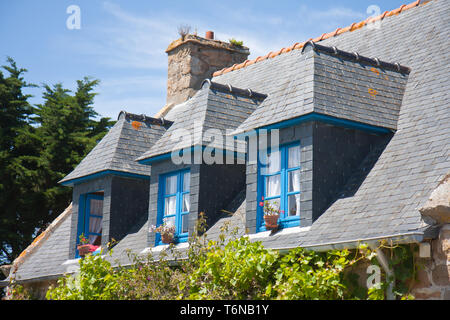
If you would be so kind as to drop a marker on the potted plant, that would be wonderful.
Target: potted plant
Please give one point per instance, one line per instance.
(83, 246)
(166, 230)
(271, 214)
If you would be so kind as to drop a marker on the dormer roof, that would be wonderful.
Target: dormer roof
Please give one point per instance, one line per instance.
(335, 83)
(214, 107)
(131, 136)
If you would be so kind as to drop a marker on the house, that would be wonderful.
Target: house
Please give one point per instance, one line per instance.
(360, 117)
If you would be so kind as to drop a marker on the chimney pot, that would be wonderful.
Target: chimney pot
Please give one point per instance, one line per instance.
(209, 35)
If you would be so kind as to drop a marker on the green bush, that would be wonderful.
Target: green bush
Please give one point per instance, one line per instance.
(240, 270)
(96, 280)
(236, 43)
(228, 269)
(309, 275)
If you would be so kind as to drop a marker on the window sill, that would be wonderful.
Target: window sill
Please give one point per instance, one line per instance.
(285, 231)
(71, 265)
(161, 247)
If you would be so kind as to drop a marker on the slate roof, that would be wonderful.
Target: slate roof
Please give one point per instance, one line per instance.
(213, 107)
(131, 136)
(332, 82)
(383, 196)
(47, 260)
(417, 157)
(299, 45)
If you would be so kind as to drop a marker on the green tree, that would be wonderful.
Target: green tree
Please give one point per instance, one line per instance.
(68, 130)
(17, 148)
(38, 147)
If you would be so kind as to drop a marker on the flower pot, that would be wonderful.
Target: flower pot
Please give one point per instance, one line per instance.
(84, 249)
(271, 221)
(167, 237)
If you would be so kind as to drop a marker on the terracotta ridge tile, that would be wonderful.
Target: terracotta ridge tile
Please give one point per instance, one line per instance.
(354, 26)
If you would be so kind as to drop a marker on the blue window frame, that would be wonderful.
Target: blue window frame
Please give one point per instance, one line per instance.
(90, 218)
(174, 203)
(279, 184)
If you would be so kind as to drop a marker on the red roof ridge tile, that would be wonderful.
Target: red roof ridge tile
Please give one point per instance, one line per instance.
(299, 45)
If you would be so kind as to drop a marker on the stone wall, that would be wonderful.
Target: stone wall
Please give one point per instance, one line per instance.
(194, 59)
(433, 278)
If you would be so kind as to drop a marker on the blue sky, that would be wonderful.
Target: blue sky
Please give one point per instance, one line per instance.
(122, 43)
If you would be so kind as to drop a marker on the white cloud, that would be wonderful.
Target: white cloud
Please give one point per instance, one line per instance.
(133, 43)
(110, 107)
(330, 18)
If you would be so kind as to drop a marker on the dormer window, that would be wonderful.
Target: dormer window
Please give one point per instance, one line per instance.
(279, 184)
(90, 218)
(174, 203)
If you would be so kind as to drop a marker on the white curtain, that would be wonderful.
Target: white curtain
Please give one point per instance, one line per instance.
(95, 223)
(294, 157)
(273, 164)
(186, 203)
(171, 184)
(170, 205)
(185, 223)
(294, 176)
(273, 187)
(186, 181)
(273, 183)
(296, 187)
(96, 207)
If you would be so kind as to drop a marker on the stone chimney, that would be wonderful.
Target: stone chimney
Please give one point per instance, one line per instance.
(192, 59)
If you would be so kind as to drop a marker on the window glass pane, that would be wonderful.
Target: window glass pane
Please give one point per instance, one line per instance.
(186, 181)
(95, 240)
(96, 207)
(170, 205)
(294, 180)
(186, 203)
(171, 185)
(95, 225)
(294, 205)
(185, 223)
(273, 186)
(294, 157)
(273, 162)
(270, 163)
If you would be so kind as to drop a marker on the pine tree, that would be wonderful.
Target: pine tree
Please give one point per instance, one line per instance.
(17, 149)
(68, 131)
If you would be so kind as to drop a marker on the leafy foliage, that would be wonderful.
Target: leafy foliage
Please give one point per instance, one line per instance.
(236, 43)
(240, 270)
(233, 268)
(15, 146)
(96, 280)
(313, 275)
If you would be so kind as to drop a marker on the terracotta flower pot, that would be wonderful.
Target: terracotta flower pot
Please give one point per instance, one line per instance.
(271, 221)
(84, 249)
(167, 237)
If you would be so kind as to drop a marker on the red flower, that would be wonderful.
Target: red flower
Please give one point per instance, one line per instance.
(261, 204)
(92, 248)
(262, 198)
